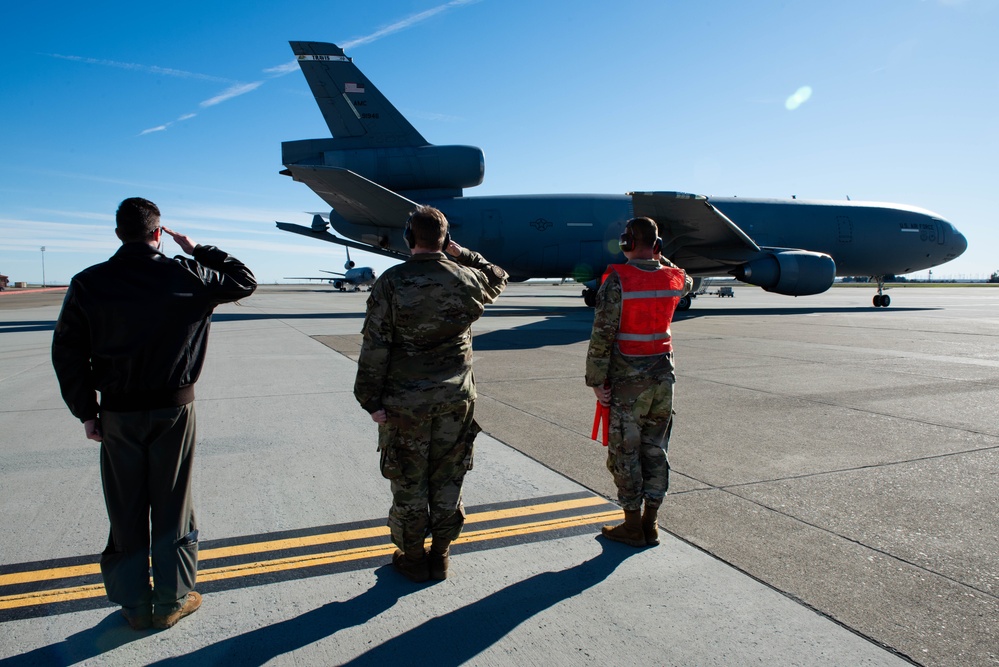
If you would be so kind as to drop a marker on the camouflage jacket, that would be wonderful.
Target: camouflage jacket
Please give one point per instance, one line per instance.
(603, 359)
(417, 346)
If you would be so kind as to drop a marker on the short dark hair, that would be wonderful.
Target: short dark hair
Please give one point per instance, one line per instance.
(137, 219)
(645, 231)
(429, 227)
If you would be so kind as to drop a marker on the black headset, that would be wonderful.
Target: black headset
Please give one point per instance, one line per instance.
(627, 241)
(411, 240)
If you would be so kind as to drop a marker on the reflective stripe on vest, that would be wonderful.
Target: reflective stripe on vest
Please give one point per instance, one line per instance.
(648, 301)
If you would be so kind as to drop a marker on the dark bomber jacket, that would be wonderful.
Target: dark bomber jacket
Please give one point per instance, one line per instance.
(135, 328)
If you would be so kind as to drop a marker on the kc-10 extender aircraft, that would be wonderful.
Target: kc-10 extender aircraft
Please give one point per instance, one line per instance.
(354, 278)
(377, 167)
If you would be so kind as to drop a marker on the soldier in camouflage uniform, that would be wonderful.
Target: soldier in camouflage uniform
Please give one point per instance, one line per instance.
(633, 374)
(414, 376)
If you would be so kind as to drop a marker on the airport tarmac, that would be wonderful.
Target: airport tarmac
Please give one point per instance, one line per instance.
(832, 501)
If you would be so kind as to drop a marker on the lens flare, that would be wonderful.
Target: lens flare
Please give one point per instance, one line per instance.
(799, 97)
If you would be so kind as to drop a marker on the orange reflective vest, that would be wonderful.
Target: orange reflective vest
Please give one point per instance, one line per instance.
(648, 301)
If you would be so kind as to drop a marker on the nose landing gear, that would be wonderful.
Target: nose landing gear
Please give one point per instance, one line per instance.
(881, 300)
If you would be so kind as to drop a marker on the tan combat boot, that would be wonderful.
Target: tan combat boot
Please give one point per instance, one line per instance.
(650, 525)
(630, 532)
(440, 558)
(412, 564)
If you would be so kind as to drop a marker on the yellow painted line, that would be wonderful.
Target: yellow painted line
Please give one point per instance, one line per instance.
(382, 531)
(538, 527)
(298, 562)
(51, 597)
(299, 542)
(52, 573)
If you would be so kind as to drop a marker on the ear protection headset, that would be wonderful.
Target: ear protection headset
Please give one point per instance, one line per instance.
(627, 241)
(411, 240)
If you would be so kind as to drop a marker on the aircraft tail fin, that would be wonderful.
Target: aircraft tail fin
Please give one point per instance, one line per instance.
(350, 103)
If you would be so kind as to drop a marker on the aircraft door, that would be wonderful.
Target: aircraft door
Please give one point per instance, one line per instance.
(844, 228)
(940, 231)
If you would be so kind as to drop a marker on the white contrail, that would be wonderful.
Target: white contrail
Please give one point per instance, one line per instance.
(148, 69)
(237, 88)
(231, 92)
(292, 66)
(406, 23)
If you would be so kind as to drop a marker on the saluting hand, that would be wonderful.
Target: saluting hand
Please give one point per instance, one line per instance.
(185, 242)
(453, 249)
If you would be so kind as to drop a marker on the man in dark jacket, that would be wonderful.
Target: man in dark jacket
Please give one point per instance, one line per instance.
(135, 329)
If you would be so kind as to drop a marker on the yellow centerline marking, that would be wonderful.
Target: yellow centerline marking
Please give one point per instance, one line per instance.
(313, 560)
(299, 542)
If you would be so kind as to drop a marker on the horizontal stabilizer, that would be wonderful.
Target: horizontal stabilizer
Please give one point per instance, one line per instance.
(354, 197)
(332, 238)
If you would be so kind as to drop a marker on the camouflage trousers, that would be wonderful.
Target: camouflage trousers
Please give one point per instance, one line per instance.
(425, 454)
(641, 419)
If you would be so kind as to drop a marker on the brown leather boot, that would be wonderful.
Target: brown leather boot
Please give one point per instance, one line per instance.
(412, 564)
(630, 532)
(650, 525)
(440, 558)
(191, 604)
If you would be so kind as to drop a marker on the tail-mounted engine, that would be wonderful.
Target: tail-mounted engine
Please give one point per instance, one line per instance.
(398, 168)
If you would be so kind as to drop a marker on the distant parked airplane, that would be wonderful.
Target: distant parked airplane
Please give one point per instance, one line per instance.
(378, 167)
(354, 278)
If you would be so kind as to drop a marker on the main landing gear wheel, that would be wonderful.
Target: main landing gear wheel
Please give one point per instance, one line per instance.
(590, 297)
(684, 303)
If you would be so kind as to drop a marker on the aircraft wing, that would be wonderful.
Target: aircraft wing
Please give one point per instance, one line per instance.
(696, 235)
(333, 238)
(354, 197)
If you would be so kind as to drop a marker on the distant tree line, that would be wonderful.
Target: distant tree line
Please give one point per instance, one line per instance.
(994, 278)
(890, 278)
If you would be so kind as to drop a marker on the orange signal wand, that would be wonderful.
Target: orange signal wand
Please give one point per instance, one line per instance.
(601, 416)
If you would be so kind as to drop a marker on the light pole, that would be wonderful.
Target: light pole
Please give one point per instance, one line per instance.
(43, 266)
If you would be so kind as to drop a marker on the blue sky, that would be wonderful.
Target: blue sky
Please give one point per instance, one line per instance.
(187, 104)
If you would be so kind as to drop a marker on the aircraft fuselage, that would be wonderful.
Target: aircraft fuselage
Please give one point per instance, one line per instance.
(576, 235)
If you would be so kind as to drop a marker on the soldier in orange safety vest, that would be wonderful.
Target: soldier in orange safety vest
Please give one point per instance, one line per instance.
(629, 365)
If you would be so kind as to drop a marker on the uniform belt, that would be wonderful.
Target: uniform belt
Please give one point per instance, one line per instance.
(134, 401)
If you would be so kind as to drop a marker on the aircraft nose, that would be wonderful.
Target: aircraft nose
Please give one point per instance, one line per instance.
(959, 243)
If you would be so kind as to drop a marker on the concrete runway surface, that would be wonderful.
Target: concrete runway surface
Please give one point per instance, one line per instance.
(833, 495)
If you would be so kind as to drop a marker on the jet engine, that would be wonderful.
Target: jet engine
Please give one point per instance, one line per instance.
(790, 272)
(397, 168)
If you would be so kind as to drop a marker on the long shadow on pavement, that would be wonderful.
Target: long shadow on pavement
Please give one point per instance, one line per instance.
(111, 633)
(459, 636)
(453, 638)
